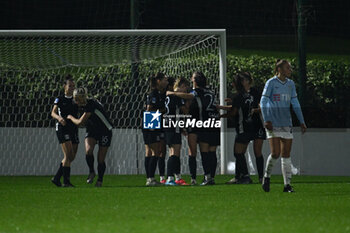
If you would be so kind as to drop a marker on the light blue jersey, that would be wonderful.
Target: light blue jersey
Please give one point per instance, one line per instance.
(276, 100)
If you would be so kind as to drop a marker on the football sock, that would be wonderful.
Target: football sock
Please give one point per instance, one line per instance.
(147, 159)
(170, 166)
(59, 172)
(260, 165)
(270, 162)
(161, 166)
(192, 162)
(177, 167)
(90, 162)
(152, 166)
(286, 165)
(66, 175)
(241, 165)
(101, 168)
(205, 162)
(213, 163)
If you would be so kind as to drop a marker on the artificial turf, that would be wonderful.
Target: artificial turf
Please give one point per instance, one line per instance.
(124, 204)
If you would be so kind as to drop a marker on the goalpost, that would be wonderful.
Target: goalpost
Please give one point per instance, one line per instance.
(115, 66)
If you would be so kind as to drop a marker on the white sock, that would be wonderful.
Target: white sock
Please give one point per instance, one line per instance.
(178, 176)
(170, 178)
(286, 165)
(270, 162)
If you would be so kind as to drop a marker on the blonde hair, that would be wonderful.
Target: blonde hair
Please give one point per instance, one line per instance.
(81, 91)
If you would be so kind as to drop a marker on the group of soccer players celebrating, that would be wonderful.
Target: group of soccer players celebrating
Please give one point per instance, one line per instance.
(257, 117)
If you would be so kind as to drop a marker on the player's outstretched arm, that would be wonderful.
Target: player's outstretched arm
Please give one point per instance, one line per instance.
(81, 120)
(183, 95)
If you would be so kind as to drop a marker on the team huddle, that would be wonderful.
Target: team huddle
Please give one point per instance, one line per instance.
(256, 116)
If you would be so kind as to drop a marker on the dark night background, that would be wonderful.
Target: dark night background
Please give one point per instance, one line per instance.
(239, 17)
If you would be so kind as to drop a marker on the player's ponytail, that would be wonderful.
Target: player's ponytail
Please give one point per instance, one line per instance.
(279, 64)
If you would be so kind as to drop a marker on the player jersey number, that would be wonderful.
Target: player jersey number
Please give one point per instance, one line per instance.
(167, 101)
(210, 107)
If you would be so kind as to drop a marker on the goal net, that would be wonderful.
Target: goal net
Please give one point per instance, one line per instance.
(115, 67)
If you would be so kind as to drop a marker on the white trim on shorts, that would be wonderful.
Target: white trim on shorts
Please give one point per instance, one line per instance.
(285, 132)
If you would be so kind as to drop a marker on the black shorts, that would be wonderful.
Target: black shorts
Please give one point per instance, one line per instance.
(65, 135)
(103, 138)
(192, 130)
(150, 137)
(162, 135)
(212, 137)
(172, 138)
(250, 136)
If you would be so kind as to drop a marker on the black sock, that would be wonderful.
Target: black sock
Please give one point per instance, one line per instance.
(161, 166)
(59, 172)
(205, 162)
(90, 162)
(171, 165)
(192, 162)
(66, 175)
(177, 168)
(152, 166)
(260, 165)
(213, 163)
(147, 159)
(241, 165)
(101, 168)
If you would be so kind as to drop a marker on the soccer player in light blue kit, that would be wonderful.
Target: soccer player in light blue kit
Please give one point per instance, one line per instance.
(279, 93)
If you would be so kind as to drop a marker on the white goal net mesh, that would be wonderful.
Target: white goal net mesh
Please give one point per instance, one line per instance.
(115, 69)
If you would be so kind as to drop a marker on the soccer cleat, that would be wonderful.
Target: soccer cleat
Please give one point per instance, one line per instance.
(153, 183)
(98, 184)
(181, 182)
(288, 189)
(148, 182)
(209, 181)
(68, 185)
(193, 182)
(170, 183)
(163, 181)
(266, 184)
(56, 182)
(232, 181)
(90, 178)
(245, 180)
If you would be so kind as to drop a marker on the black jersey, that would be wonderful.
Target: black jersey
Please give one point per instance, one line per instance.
(156, 99)
(66, 106)
(244, 120)
(173, 105)
(203, 105)
(98, 121)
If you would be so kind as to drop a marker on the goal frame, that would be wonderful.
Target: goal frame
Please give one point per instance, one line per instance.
(220, 33)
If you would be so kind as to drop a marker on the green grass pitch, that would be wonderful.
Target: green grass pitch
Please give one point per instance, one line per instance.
(124, 204)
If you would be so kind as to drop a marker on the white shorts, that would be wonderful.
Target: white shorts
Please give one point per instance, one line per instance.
(280, 132)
